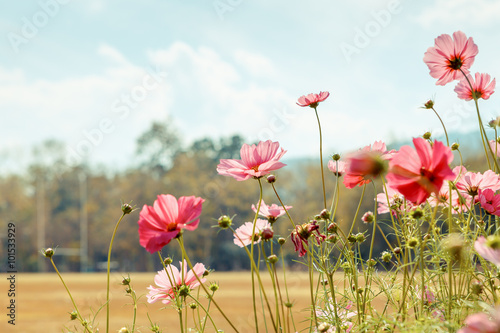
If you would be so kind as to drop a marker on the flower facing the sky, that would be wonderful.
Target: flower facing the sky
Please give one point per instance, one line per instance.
(449, 56)
(471, 182)
(481, 87)
(271, 212)
(171, 285)
(243, 236)
(312, 100)
(162, 222)
(416, 173)
(256, 161)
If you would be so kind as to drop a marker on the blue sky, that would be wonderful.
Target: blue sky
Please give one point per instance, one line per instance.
(96, 73)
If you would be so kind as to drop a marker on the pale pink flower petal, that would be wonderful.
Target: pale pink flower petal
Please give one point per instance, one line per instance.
(312, 100)
(243, 235)
(487, 252)
(481, 87)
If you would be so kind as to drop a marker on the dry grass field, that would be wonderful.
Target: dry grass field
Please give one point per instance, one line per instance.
(42, 304)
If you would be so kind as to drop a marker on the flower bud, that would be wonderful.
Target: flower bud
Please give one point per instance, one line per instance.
(48, 253)
(167, 261)
(273, 258)
(126, 281)
(455, 146)
(417, 213)
(184, 290)
(325, 214)
(123, 329)
(73, 315)
(288, 304)
(281, 241)
(224, 221)
(427, 135)
(206, 272)
(213, 287)
(267, 233)
(412, 242)
(397, 250)
(332, 239)
(127, 208)
(360, 237)
(193, 306)
(368, 217)
(128, 290)
(429, 104)
(336, 157)
(476, 287)
(271, 179)
(351, 239)
(333, 227)
(386, 256)
(371, 262)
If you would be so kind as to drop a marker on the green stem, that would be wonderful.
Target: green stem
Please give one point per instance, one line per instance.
(109, 268)
(444, 127)
(321, 157)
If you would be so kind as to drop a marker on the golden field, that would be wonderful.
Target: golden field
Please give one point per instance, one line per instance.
(42, 304)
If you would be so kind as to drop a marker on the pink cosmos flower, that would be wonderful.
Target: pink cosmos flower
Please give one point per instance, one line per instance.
(337, 167)
(449, 56)
(271, 212)
(489, 201)
(471, 182)
(366, 164)
(396, 202)
(481, 87)
(312, 100)
(243, 235)
(168, 285)
(479, 323)
(495, 147)
(488, 248)
(418, 173)
(162, 222)
(256, 161)
(344, 314)
(301, 234)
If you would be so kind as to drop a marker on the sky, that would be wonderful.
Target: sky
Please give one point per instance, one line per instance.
(95, 74)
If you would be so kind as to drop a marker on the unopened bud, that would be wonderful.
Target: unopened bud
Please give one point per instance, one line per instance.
(193, 306)
(360, 237)
(397, 250)
(336, 157)
(123, 330)
(267, 233)
(167, 261)
(325, 214)
(127, 208)
(386, 256)
(323, 327)
(333, 227)
(126, 281)
(368, 217)
(427, 135)
(332, 239)
(273, 258)
(73, 315)
(417, 213)
(48, 252)
(412, 242)
(271, 179)
(429, 104)
(214, 287)
(224, 221)
(281, 241)
(184, 290)
(476, 287)
(455, 146)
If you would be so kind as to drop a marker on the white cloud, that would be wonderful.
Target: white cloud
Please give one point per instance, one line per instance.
(460, 12)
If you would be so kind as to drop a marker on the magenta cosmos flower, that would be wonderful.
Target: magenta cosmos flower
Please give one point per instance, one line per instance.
(271, 212)
(162, 222)
(481, 87)
(448, 57)
(170, 284)
(243, 235)
(312, 100)
(418, 173)
(489, 201)
(301, 234)
(256, 161)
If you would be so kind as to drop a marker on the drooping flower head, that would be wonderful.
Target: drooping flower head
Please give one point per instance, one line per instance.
(256, 161)
(271, 212)
(312, 100)
(243, 236)
(416, 173)
(481, 87)
(171, 285)
(448, 57)
(301, 234)
(162, 222)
